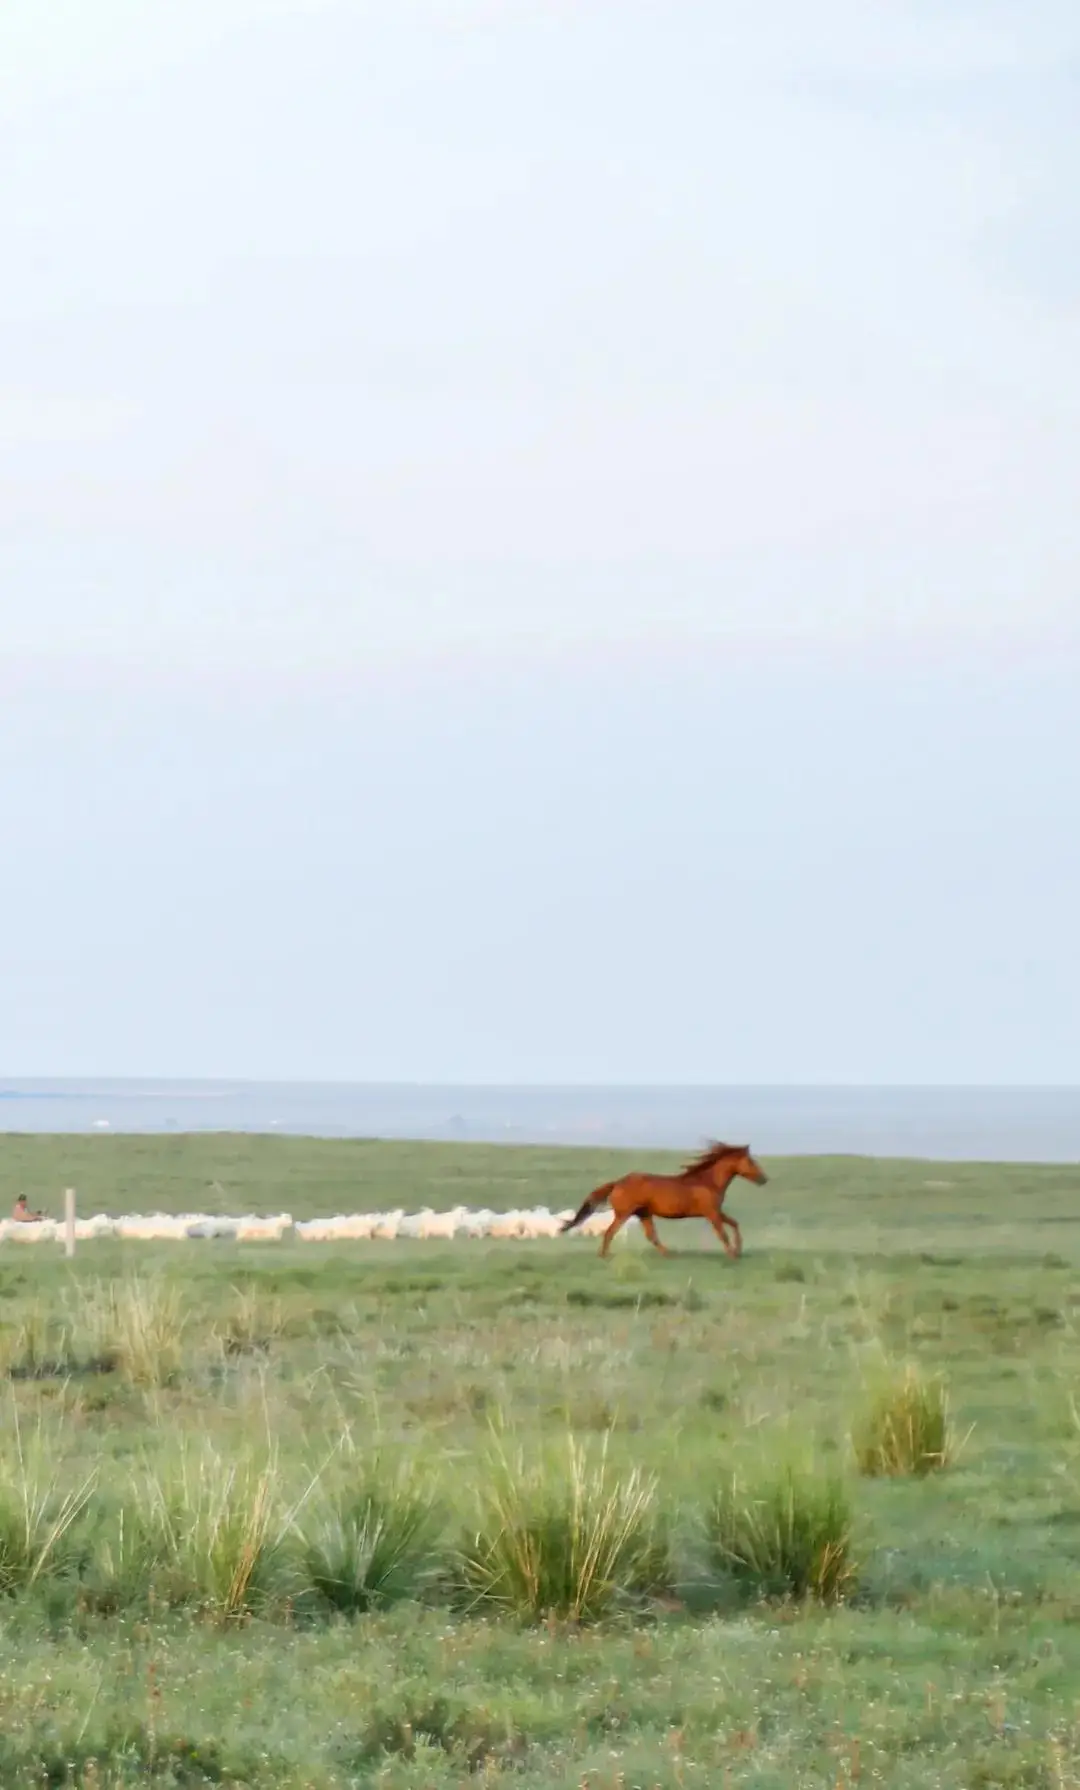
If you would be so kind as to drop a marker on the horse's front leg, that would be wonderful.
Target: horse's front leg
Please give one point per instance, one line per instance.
(727, 1223)
(720, 1223)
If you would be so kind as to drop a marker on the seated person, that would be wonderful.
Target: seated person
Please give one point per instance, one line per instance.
(22, 1213)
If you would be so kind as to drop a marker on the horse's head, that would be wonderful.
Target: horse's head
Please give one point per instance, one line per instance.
(751, 1170)
(720, 1162)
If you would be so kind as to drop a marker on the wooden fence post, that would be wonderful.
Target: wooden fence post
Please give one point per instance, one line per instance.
(69, 1221)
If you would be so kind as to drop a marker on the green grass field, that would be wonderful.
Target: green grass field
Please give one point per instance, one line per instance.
(160, 1627)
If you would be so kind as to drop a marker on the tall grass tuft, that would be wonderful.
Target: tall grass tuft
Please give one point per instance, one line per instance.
(564, 1538)
(906, 1429)
(217, 1528)
(140, 1326)
(39, 1346)
(126, 1557)
(38, 1517)
(370, 1545)
(253, 1323)
(787, 1538)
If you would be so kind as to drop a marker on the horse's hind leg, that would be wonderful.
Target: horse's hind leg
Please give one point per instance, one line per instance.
(612, 1231)
(719, 1226)
(648, 1225)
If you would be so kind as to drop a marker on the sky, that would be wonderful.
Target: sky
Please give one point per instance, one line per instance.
(538, 540)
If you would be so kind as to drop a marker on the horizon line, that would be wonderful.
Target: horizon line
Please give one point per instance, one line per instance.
(21, 1085)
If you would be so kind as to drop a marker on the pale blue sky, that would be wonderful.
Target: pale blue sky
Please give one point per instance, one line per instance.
(538, 539)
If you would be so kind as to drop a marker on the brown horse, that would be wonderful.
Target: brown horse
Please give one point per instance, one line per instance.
(698, 1192)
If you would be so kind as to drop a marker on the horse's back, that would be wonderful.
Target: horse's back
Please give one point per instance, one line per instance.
(665, 1196)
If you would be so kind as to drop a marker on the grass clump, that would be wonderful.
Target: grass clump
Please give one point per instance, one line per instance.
(40, 1346)
(215, 1529)
(906, 1430)
(253, 1324)
(413, 1724)
(788, 1538)
(127, 1557)
(134, 1327)
(564, 1538)
(38, 1517)
(369, 1546)
(145, 1328)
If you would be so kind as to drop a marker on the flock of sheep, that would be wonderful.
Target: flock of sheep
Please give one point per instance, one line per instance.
(356, 1227)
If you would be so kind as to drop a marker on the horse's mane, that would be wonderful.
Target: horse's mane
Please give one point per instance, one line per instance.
(715, 1153)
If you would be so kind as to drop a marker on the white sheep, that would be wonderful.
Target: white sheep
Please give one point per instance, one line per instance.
(542, 1223)
(325, 1230)
(359, 1226)
(263, 1230)
(509, 1224)
(474, 1224)
(425, 1225)
(87, 1229)
(206, 1227)
(412, 1224)
(313, 1230)
(444, 1225)
(44, 1230)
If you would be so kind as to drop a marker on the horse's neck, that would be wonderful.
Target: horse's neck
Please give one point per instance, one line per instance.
(720, 1179)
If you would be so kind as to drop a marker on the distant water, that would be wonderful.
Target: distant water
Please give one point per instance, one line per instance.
(958, 1124)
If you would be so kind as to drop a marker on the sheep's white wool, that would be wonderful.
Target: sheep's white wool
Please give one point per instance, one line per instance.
(426, 1225)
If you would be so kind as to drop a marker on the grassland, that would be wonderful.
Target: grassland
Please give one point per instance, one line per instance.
(231, 1386)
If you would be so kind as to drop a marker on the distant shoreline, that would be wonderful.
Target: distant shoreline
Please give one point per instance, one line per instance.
(936, 1124)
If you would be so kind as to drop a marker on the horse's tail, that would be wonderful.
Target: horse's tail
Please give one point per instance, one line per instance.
(589, 1204)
